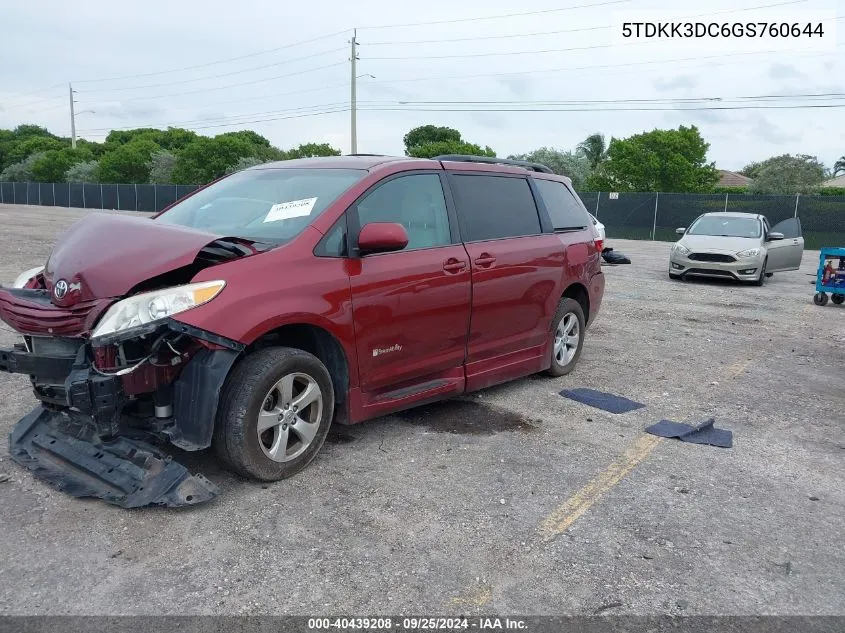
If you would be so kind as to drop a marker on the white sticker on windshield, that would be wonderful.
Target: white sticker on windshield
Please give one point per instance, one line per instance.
(292, 209)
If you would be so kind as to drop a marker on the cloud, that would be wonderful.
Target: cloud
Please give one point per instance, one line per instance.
(489, 120)
(766, 131)
(676, 83)
(517, 86)
(785, 71)
(123, 111)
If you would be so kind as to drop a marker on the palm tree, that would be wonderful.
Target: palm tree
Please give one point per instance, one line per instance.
(839, 166)
(593, 148)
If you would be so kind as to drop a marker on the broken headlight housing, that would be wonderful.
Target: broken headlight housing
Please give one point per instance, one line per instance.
(149, 307)
(26, 276)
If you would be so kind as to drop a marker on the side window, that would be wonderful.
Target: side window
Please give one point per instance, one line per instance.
(417, 203)
(495, 207)
(334, 243)
(565, 210)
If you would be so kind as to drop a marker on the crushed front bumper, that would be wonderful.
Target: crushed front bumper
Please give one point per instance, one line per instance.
(63, 448)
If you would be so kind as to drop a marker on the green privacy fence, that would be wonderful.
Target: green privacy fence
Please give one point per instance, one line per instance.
(640, 216)
(647, 216)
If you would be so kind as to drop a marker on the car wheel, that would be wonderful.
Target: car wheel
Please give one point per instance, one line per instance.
(276, 409)
(763, 275)
(568, 330)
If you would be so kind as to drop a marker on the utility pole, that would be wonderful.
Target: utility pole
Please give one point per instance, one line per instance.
(72, 118)
(352, 96)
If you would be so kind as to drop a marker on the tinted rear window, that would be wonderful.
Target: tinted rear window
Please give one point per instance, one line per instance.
(494, 207)
(564, 209)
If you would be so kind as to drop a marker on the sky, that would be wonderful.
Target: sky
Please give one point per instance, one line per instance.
(161, 63)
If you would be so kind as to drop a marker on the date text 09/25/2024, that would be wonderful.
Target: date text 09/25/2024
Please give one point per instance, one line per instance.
(417, 624)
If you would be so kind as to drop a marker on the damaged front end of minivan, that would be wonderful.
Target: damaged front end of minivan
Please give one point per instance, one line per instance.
(116, 374)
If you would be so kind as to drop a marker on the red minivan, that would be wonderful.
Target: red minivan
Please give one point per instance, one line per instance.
(253, 314)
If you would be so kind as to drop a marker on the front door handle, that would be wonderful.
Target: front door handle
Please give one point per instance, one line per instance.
(453, 265)
(484, 260)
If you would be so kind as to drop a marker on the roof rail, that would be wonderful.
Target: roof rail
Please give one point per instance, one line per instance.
(466, 158)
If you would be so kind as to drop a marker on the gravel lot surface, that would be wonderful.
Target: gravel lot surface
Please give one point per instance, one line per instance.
(442, 510)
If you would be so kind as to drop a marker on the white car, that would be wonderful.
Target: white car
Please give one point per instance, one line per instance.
(741, 246)
(599, 227)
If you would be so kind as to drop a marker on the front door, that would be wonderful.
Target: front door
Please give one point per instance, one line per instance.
(785, 254)
(410, 307)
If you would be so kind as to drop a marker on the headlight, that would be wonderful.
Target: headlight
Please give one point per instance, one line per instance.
(751, 252)
(25, 276)
(680, 249)
(154, 306)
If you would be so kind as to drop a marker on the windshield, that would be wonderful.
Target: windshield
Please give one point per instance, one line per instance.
(725, 226)
(264, 205)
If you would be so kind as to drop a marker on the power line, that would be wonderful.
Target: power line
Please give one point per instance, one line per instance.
(217, 75)
(244, 83)
(495, 17)
(219, 61)
(602, 109)
(578, 30)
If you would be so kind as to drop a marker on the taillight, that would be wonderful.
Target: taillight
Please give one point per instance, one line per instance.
(599, 244)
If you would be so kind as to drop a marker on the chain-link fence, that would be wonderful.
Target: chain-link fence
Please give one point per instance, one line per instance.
(94, 196)
(644, 216)
(640, 216)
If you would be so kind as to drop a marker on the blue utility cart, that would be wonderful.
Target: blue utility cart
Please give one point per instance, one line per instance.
(831, 276)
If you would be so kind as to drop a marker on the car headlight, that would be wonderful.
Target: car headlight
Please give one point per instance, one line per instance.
(751, 252)
(157, 305)
(25, 276)
(680, 249)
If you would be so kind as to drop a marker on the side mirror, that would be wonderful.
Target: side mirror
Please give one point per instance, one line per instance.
(680, 231)
(774, 236)
(382, 237)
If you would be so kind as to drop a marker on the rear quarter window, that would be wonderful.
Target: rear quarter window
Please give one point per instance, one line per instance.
(565, 209)
(495, 207)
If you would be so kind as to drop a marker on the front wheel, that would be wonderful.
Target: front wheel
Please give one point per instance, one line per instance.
(568, 329)
(276, 409)
(763, 275)
(838, 299)
(820, 299)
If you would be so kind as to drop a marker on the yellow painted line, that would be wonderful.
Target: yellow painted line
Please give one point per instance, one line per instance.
(563, 517)
(474, 599)
(737, 368)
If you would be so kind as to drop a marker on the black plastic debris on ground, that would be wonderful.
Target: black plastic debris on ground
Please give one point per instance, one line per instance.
(601, 400)
(703, 433)
(614, 257)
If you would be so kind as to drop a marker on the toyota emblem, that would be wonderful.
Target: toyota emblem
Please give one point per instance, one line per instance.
(60, 289)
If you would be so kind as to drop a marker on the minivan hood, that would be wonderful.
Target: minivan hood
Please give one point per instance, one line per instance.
(104, 255)
(718, 244)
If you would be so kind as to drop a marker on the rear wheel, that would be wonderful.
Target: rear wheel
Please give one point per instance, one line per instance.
(838, 299)
(568, 329)
(276, 409)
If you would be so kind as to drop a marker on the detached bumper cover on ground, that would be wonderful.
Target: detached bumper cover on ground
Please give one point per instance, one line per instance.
(64, 449)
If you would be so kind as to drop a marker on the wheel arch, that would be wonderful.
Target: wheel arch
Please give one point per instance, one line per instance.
(579, 293)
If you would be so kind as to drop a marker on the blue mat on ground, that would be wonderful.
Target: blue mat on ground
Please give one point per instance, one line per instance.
(703, 433)
(601, 400)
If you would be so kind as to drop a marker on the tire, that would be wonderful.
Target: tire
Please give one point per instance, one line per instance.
(763, 275)
(820, 299)
(563, 361)
(838, 299)
(269, 382)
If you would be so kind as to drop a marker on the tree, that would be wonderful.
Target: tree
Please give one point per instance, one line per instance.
(21, 171)
(205, 159)
(660, 160)
(310, 150)
(839, 166)
(87, 171)
(788, 174)
(575, 166)
(436, 148)
(161, 167)
(26, 147)
(429, 134)
(244, 163)
(129, 162)
(593, 148)
(53, 165)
